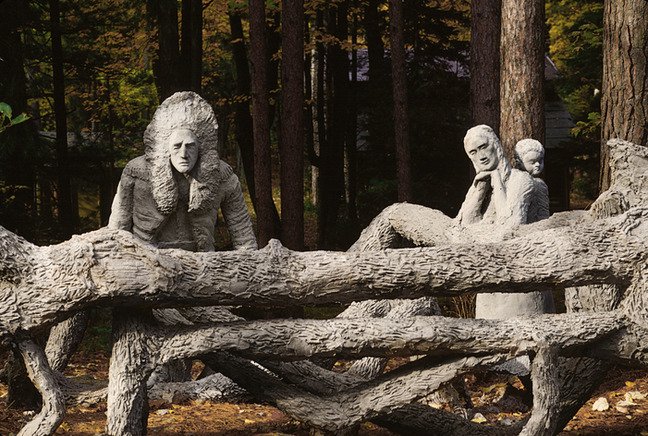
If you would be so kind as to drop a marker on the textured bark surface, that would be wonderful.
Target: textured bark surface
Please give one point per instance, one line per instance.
(64, 338)
(485, 19)
(624, 104)
(522, 51)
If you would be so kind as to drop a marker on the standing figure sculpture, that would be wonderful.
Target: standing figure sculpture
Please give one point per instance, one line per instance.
(170, 197)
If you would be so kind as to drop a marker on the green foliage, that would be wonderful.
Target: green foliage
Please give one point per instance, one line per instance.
(6, 120)
(576, 47)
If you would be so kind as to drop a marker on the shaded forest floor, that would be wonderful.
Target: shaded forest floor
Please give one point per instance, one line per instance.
(207, 418)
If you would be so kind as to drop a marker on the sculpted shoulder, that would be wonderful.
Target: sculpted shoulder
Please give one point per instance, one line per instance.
(137, 168)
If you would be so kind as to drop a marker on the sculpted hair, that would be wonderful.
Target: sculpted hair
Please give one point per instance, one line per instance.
(488, 133)
(186, 110)
(525, 146)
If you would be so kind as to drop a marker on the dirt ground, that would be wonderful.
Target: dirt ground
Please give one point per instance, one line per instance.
(207, 418)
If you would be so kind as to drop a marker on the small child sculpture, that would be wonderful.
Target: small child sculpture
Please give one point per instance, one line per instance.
(529, 156)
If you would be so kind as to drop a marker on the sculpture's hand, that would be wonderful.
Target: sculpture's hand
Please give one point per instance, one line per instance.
(481, 177)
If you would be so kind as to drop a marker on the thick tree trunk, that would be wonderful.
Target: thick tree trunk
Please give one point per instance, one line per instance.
(66, 213)
(292, 124)
(522, 51)
(266, 228)
(399, 87)
(485, 62)
(624, 105)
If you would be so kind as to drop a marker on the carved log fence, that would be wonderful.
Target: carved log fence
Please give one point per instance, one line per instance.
(40, 286)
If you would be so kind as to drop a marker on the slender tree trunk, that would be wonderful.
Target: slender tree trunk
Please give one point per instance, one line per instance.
(376, 53)
(196, 45)
(485, 62)
(262, 165)
(350, 150)
(332, 155)
(522, 51)
(66, 214)
(624, 105)
(185, 45)
(320, 104)
(292, 124)
(399, 86)
(308, 112)
(167, 66)
(242, 117)
(273, 32)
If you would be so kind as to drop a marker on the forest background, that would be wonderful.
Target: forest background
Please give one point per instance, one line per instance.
(90, 75)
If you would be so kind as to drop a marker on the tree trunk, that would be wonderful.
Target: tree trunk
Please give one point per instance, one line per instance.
(242, 117)
(66, 213)
(260, 111)
(185, 45)
(485, 62)
(399, 87)
(351, 143)
(624, 106)
(292, 124)
(522, 51)
(167, 67)
(332, 155)
(196, 45)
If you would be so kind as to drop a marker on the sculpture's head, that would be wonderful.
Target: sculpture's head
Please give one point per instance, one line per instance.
(485, 151)
(183, 149)
(529, 156)
(183, 135)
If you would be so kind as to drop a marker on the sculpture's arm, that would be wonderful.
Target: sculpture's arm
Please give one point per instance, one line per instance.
(236, 215)
(121, 214)
(470, 211)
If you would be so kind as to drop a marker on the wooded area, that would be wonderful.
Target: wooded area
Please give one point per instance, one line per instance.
(383, 104)
(328, 111)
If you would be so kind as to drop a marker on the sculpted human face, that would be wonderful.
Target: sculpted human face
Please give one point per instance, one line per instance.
(183, 149)
(533, 162)
(481, 152)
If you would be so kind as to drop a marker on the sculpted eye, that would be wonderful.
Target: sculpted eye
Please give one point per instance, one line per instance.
(178, 145)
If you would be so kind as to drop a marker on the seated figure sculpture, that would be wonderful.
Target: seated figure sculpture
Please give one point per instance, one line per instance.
(499, 199)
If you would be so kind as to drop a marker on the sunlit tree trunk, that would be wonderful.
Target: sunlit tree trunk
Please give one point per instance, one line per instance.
(292, 124)
(399, 87)
(624, 106)
(522, 51)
